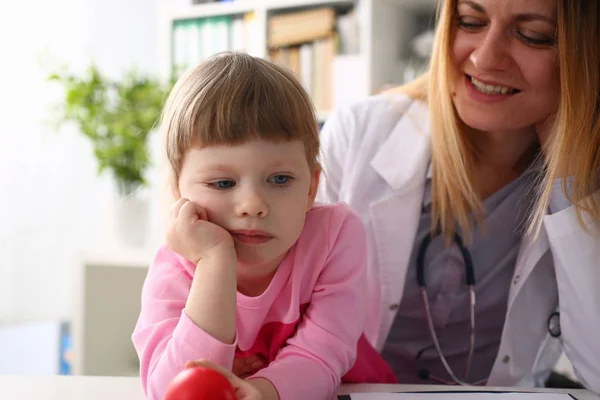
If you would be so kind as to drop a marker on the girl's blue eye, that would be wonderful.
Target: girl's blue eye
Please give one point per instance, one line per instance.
(280, 179)
(223, 184)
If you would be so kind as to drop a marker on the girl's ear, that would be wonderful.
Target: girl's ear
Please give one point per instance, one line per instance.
(314, 186)
(174, 184)
(172, 188)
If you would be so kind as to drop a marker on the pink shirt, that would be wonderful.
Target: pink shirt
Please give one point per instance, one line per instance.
(307, 324)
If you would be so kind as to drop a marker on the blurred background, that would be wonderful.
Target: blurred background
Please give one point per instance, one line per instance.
(81, 182)
(81, 204)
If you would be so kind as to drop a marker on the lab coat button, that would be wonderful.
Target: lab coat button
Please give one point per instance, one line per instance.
(394, 307)
(554, 324)
(516, 280)
(506, 359)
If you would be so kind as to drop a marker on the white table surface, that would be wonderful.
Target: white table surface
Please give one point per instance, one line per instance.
(109, 388)
(361, 388)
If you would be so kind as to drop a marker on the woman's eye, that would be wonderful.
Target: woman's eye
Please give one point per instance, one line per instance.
(223, 184)
(280, 179)
(470, 23)
(540, 40)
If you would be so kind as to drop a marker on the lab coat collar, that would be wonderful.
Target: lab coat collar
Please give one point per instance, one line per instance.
(403, 158)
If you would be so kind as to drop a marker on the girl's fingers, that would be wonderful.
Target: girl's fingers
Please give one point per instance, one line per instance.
(209, 364)
(247, 366)
(256, 365)
(192, 211)
(187, 212)
(239, 366)
(176, 207)
(200, 212)
(243, 389)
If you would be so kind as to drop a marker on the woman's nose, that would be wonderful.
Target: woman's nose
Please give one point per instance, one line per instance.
(492, 53)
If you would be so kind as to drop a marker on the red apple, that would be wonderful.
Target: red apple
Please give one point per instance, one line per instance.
(200, 383)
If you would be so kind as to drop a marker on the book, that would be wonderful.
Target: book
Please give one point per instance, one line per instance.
(300, 27)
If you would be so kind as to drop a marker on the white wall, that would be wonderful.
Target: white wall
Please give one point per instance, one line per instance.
(52, 204)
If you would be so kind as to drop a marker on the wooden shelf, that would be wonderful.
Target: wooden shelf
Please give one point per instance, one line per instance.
(218, 9)
(386, 29)
(212, 10)
(298, 4)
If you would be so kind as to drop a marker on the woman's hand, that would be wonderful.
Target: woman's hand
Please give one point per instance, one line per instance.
(243, 389)
(191, 235)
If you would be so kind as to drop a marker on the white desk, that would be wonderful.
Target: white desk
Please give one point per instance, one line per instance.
(69, 388)
(358, 388)
(105, 388)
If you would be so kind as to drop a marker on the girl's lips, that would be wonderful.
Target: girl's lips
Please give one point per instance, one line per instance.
(251, 236)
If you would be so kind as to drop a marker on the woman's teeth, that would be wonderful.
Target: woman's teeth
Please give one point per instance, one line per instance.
(491, 89)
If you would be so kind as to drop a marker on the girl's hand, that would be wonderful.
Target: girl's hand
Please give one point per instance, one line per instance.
(245, 367)
(191, 235)
(243, 389)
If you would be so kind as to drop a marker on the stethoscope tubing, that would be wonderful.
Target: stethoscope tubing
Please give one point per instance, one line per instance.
(470, 279)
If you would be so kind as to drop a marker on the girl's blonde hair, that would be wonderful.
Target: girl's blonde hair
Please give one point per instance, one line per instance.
(232, 98)
(576, 130)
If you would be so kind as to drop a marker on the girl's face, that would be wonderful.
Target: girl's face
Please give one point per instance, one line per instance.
(259, 191)
(505, 68)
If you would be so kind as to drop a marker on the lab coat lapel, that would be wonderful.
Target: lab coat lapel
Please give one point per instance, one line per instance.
(529, 254)
(530, 302)
(402, 162)
(403, 158)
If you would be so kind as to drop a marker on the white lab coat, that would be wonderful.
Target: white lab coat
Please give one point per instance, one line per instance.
(375, 156)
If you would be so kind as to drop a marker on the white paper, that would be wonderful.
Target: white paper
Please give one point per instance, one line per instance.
(461, 395)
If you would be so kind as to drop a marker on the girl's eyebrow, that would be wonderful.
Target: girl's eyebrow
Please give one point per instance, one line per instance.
(525, 17)
(278, 164)
(216, 166)
(290, 163)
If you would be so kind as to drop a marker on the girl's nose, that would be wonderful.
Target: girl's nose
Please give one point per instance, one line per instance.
(252, 204)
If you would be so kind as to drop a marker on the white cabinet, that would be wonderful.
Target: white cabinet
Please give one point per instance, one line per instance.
(107, 306)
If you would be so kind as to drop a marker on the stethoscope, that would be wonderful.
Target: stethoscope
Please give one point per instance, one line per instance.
(470, 277)
(553, 320)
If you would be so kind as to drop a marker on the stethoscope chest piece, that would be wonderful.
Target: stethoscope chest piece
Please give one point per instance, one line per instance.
(554, 324)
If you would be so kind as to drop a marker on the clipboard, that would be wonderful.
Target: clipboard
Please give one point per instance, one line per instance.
(458, 395)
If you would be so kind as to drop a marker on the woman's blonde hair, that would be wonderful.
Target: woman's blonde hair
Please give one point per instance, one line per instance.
(232, 98)
(575, 145)
(576, 130)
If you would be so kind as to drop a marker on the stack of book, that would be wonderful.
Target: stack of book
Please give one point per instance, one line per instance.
(306, 43)
(194, 40)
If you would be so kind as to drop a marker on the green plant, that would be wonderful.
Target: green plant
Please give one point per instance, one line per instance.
(117, 116)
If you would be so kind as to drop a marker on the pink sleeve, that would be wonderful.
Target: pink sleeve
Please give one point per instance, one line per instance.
(165, 338)
(313, 361)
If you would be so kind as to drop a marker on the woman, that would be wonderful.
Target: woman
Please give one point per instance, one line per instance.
(500, 144)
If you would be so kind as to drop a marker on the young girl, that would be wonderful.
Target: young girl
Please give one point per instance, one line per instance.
(252, 267)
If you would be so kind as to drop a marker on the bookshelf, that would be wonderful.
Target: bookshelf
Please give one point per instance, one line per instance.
(385, 30)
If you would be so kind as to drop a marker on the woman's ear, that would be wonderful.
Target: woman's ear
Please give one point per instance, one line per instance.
(314, 186)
